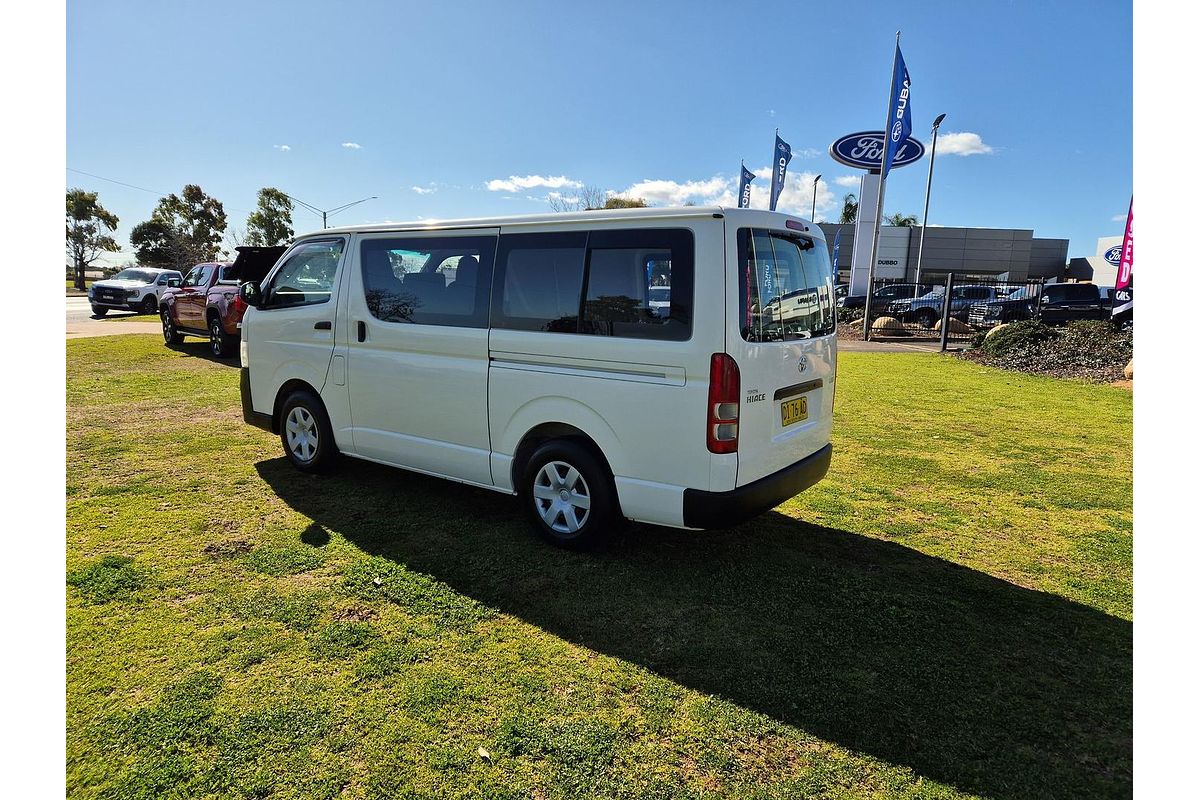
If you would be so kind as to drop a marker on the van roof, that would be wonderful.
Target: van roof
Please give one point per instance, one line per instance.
(752, 215)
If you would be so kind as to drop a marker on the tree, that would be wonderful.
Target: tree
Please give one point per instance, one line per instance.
(184, 230)
(849, 209)
(88, 224)
(624, 202)
(157, 244)
(271, 223)
(901, 220)
(588, 198)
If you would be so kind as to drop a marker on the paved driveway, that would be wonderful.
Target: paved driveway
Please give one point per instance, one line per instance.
(80, 321)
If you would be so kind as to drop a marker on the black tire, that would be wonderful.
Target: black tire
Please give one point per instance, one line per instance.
(99, 311)
(219, 341)
(171, 334)
(558, 519)
(150, 305)
(926, 318)
(310, 422)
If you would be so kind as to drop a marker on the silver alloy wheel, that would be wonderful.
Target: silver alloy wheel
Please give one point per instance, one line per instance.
(168, 326)
(302, 436)
(214, 336)
(562, 497)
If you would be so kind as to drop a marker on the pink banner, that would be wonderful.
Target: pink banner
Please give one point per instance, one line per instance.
(1125, 273)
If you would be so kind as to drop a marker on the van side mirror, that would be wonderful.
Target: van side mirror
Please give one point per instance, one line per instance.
(251, 294)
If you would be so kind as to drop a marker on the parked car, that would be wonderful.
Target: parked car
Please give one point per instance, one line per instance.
(539, 369)
(883, 295)
(926, 310)
(206, 302)
(134, 289)
(1019, 305)
(1064, 302)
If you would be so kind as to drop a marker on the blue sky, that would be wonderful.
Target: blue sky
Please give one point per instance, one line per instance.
(487, 108)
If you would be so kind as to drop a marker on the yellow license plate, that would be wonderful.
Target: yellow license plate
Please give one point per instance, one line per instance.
(793, 411)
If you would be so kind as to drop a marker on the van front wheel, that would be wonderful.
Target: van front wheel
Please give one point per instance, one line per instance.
(567, 495)
(306, 433)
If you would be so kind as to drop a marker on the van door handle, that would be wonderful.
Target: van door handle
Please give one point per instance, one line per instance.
(362, 331)
(323, 325)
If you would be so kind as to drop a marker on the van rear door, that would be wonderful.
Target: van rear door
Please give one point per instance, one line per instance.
(781, 334)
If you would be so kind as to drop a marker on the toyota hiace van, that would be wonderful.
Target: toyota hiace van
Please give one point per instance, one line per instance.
(673, 366)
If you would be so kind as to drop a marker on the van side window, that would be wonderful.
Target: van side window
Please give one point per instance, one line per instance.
(307, 276)
(639, 284)
(539, 280)
(429, 281)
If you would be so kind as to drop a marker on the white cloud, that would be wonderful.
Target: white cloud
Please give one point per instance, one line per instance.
(282, 147)
(962, 144)
(847, 180)
(516, 183)
(352, 145)
(674, 193)
(796, 198)
(808, 152)
(423, 190)
(770, 112)
(1120, 217)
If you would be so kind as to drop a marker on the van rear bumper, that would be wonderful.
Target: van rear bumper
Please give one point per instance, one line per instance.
(252, 417)
(726, 509)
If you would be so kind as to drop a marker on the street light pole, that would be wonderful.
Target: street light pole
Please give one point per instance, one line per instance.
(813, 218)
(326, 213)
(928, 185)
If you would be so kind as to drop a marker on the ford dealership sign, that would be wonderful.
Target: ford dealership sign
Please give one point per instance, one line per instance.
(864, 150)
(1113, 255)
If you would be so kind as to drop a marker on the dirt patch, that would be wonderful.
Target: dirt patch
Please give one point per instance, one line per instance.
(228, 548)
(356, 615)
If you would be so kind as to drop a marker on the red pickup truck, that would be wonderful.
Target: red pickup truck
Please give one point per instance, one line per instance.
(206, 301)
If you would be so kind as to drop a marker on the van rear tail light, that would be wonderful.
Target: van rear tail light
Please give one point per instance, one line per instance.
(724, 391)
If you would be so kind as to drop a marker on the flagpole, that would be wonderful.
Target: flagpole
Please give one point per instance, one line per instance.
(887, 118)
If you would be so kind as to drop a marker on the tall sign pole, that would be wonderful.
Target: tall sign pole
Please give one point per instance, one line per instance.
(928, 186)
(887, 127)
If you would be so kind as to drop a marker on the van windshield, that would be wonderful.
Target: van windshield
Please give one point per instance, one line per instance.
(786, 285)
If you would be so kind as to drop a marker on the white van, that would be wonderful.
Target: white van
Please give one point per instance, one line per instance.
(529, 355)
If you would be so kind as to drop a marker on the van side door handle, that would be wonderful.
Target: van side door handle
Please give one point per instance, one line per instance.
(323, 325)
(362, 331)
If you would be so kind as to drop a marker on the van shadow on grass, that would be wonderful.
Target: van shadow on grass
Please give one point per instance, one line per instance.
(964, 678)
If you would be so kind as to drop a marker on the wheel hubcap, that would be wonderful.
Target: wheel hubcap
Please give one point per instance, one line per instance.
(302, 436)
(562, 497)
(215, 338)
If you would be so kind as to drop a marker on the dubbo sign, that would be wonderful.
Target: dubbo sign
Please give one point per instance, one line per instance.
(864, 150)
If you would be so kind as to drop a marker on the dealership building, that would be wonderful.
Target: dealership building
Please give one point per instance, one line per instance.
(999, 253)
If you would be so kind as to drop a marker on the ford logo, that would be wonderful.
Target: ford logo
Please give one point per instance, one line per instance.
(1113, 255)
(864, 150)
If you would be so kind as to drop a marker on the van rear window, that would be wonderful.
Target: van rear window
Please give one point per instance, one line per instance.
(786, 286)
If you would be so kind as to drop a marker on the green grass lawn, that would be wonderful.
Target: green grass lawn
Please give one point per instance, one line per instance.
(947, 615)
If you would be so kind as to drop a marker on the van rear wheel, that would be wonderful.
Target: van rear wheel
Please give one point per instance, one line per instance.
(567, 495)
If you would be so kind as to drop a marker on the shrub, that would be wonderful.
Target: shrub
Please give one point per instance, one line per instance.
(1016, 336)
(1091, 349)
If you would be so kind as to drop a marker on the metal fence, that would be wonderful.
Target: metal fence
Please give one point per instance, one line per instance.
(949, 308)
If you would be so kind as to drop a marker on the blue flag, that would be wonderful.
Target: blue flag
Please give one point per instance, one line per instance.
(899, 112)
(744, 187)
(783, 155)
(837, 245)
